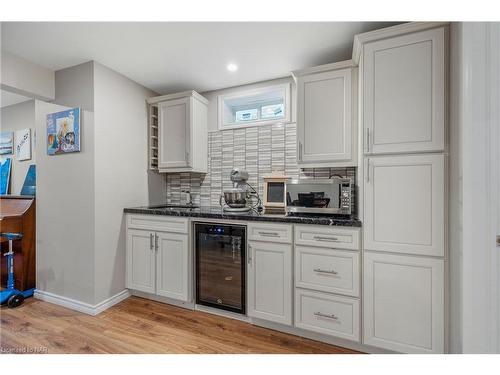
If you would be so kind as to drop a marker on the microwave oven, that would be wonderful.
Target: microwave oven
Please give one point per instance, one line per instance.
(331, 196)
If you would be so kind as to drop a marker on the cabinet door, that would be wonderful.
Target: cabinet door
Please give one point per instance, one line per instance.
(172, 266)
(270, 281)
(404, 303)
(324, 126)
(404, 95)
(140, 260)
(174, 133)
(404, 204)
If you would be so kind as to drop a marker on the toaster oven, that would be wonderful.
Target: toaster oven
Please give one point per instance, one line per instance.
(330, 196)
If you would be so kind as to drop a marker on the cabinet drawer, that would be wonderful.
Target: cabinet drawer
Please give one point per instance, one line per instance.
(334, 271)
(324, 236)
(327, 314)
(270, 232)
(158, 223)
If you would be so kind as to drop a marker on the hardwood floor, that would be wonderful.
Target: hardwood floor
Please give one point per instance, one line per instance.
(138, 325)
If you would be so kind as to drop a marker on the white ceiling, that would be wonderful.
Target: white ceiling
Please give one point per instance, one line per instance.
(167, 57)
(9, 98)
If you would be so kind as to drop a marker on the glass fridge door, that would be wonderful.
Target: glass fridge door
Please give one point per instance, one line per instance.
(220, 266)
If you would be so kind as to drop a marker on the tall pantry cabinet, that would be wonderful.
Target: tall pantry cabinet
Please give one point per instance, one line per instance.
(403, 73)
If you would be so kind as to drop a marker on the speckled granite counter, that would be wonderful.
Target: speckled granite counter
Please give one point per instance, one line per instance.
(218, 213)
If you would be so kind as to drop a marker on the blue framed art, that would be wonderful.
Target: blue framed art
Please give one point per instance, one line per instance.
(63, 132)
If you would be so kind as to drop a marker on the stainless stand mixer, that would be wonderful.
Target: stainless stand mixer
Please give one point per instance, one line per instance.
(239, 198)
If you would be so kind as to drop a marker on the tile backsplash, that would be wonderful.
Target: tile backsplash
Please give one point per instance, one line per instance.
(259, 150)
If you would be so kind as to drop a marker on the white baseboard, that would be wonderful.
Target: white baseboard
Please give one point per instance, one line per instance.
(80, 306)
(111, 301)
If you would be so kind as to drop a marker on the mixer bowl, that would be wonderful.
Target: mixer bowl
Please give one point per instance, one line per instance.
(235, 198)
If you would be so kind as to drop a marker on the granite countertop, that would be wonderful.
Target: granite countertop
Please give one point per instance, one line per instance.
(253, 215)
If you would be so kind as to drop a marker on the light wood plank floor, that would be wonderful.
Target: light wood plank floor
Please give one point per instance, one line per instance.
(138, 325)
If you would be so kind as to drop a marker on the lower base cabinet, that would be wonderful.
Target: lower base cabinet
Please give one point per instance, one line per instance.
(327, 314)
(172, 265)
(404, 303)
(141, 260)
(270, 281)
(159, 263)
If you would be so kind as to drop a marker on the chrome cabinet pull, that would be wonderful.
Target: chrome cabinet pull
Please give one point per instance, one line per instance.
(300, 151)
(269, 234)
(150, 241)
(156, 242)
(326, 239)
(368, 170)
(329, 316)
(249, 254)
(331, 272)
(367, 139)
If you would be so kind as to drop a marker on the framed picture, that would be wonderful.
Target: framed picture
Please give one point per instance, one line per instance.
(63, 132)
(6, 143)
(5, 167)
(23, 144)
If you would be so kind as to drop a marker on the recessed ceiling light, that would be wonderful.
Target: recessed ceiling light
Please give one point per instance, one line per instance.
(232, 67)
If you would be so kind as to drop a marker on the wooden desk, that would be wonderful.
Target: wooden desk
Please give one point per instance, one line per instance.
(17, 215)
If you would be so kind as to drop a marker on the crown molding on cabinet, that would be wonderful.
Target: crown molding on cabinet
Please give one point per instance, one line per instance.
(324, 68)
(177, 95)
(388, 32)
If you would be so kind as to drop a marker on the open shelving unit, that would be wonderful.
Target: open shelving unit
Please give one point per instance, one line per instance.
(153, 137)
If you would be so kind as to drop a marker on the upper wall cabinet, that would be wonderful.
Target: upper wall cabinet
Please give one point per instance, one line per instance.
(404, 93)
(326, 115)
(178, 133)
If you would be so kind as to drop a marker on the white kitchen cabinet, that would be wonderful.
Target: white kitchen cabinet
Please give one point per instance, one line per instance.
(270, 281)
(326, 115)
(404, 204)
(404, 303)
(172, 266)
(328, 314)
(182, 138)
(174, 133)
(158, 256)
(403, 80)
(327, 270)
(141, 260)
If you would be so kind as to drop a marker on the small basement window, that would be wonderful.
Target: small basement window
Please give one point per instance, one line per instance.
(261, 106)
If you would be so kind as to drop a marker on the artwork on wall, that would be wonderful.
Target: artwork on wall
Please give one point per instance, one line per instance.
(63, 132)
(29, 186)
(6, 143)
(5, 167)
(23, 144)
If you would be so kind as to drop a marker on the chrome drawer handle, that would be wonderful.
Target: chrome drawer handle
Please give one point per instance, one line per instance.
(331, 272)
(327, 239)
(329, 316)
(151, 241)
(249, 254)
(269, 234)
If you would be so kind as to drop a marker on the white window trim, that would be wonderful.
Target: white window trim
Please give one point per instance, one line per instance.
(260, 90)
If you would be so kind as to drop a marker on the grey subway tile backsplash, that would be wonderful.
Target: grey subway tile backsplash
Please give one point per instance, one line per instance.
(260, 150)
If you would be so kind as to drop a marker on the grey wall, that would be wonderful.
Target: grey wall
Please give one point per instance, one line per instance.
(456, 178)
(121, 177)
(26, 78)
(65, 213)
(80, 225)
(75, 86)
(17, 117)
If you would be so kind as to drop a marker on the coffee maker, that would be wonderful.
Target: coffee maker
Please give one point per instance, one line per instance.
(241, 197)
